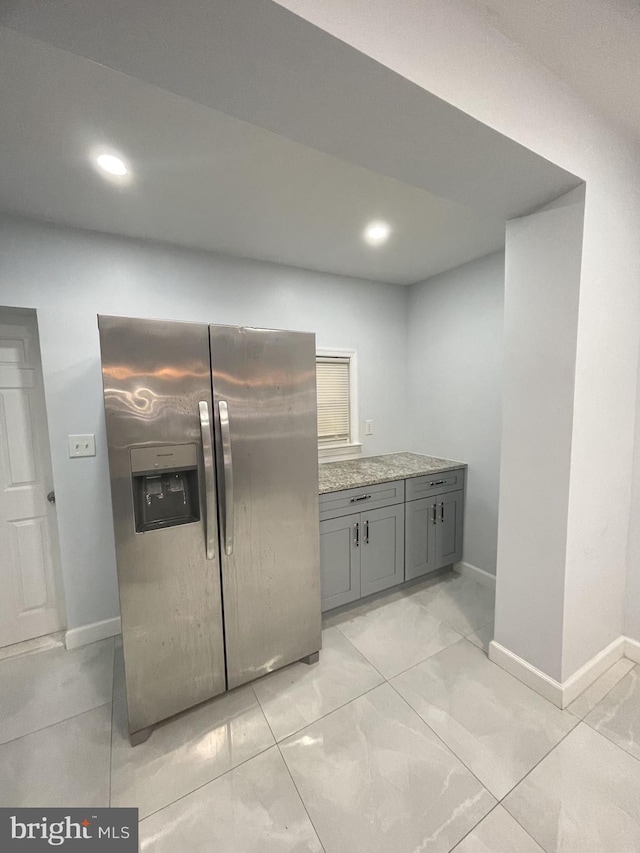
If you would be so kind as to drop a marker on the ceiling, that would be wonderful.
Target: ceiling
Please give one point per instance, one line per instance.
(594, 46)
(250, 132)
(207, 180)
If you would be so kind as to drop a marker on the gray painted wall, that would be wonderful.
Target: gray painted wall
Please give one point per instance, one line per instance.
(632, 592)
(535, 579)
(70, 276)
(454, 375)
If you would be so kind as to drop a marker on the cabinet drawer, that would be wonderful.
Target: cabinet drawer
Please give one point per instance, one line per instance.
(435, 484)
(336, 504)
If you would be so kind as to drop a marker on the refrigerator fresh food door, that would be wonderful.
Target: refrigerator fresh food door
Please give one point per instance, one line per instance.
(264, 392)
(157, 397)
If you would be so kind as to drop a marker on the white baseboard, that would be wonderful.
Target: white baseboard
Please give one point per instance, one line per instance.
(592, 670)
(91, 633)
(632, 649)
(561, 693)
(476, 574)
(525, 672)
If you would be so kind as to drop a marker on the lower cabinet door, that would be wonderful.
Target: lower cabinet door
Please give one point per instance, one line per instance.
(449, 528)
(340, 541)
(382, 549)
(420, 537)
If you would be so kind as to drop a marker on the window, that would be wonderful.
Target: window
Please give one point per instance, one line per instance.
(337, 406)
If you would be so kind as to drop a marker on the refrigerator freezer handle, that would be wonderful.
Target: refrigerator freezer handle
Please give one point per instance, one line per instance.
(209, 478)
(227, 463)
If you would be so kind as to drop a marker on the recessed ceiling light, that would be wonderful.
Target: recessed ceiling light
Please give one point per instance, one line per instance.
(377, 233)
(112, 165)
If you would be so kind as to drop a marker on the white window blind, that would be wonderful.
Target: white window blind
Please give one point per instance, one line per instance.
(333, 400)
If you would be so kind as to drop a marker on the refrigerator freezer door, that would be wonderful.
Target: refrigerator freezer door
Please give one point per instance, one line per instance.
(155, 375)
(264, 383)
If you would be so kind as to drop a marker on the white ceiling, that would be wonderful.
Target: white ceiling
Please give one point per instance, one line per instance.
(250, 132)
(594, 46)
(208, 180)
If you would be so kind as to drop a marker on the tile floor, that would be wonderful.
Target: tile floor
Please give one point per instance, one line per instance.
(404, 737)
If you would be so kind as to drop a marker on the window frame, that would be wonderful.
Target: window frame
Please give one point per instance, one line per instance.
(352, 448)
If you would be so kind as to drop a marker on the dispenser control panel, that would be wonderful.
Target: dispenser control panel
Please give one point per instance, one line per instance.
(173, 456)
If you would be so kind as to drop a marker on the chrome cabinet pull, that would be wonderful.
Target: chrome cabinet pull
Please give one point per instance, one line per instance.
(433, 517)
(209, 479)
(366, 532)
(361, 498)
(442, 512)
(356, 538)
(437, 482)
(227, 464)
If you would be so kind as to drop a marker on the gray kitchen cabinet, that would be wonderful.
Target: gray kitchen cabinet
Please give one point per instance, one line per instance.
(420, 535)
(361, 554)
(371, 539)
(340, 560)
(433, 533)
(449, 529)
(382, 549)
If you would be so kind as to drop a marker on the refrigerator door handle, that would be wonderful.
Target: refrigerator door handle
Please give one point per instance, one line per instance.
(227, 464)
(209, 478)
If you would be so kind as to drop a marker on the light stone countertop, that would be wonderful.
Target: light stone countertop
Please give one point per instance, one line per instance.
(369, 470)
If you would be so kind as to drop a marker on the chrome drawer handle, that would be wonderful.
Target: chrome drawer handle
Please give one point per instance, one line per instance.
(361, 498)
(437, 483)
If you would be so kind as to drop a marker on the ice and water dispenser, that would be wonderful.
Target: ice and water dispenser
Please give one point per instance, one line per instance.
(165, 486)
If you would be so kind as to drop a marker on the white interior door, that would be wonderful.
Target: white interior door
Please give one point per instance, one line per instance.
(30, 599)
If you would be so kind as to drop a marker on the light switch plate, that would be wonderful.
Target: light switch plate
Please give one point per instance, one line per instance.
(82, 445)
(368, 427)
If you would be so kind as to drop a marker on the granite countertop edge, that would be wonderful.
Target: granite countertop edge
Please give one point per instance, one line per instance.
(422, 465)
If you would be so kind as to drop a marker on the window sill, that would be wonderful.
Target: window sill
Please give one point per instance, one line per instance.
(338, 452)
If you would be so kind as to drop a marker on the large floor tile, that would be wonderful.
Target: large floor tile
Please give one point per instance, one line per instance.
(43, 688)
(64, 765)
(397, 635)
(299, 694)
(374, 778)
(458, 601)
(495, 724)
(185, 752)
(335, 618)
(596, 692)
(617, 716)
(253, 809)
(583, 798)
(498, 833)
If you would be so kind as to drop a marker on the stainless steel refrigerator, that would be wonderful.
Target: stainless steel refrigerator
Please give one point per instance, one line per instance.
(213, 462)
